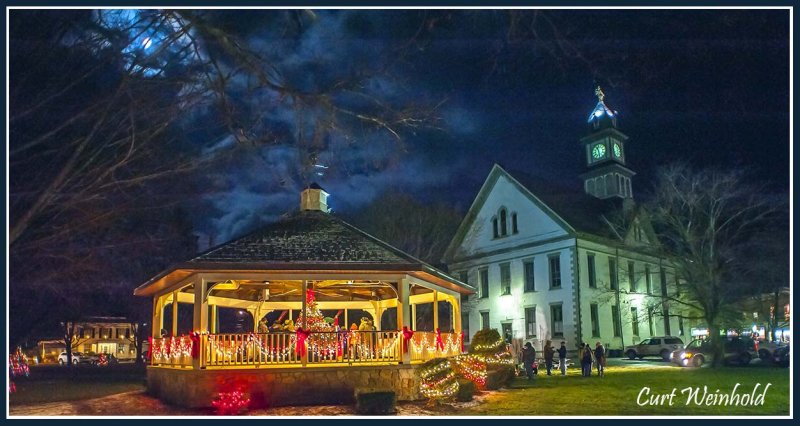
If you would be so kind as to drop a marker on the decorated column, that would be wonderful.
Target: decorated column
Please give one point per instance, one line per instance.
(175, 313)
(200, 323)
(404, 320)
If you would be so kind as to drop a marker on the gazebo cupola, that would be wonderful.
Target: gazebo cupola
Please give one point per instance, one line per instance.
(314, 198)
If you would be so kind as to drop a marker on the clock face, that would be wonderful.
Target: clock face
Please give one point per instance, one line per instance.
(617, 150)
(599, 151)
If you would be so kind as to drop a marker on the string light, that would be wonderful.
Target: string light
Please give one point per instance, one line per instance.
(438, 380)
(230, 403)
(471, 367)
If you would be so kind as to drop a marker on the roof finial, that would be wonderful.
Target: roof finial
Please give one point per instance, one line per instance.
(599, 92)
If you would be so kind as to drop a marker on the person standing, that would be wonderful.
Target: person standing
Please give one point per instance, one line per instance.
(586, 360)
(600, 356)
(528, 358)
(548, 357)
(562, 358)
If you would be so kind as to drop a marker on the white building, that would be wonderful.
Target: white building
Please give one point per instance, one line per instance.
(548, 264)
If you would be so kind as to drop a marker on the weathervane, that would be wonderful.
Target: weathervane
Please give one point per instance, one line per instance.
(599, 93)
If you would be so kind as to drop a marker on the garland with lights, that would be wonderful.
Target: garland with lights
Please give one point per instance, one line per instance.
(438, 380)
(470, 367)
(230, 403)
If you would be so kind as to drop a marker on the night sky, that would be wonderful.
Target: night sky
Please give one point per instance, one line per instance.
(513, 88)
(709, 87)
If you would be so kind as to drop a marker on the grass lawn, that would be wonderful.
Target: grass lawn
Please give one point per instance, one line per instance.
(53, 383)
(54, 391)
(617, 392)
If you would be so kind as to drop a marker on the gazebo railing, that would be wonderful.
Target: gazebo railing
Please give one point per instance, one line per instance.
(348, 347)
(425, 345)
(172, 351)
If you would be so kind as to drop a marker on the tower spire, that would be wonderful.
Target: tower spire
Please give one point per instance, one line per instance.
(599, 93)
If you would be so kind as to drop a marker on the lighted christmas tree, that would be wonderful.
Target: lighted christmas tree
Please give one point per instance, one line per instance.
(322, 342)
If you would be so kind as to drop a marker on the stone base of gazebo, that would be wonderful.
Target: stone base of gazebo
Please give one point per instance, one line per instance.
(272, 387)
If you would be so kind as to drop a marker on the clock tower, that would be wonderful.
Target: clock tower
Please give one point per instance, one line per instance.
(606, 175)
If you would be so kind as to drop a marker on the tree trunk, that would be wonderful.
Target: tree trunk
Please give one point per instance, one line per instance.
(773, 318)
(716, 344)
(68, 334)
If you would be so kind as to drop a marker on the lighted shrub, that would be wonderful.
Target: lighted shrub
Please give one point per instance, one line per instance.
(437, 379)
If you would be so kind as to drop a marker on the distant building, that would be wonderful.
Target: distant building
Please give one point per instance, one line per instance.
(547, 263)
(109, 335)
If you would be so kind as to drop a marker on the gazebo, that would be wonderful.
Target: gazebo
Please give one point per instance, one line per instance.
(300, 283)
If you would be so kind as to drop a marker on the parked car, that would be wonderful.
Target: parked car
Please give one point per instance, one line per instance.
(780, 356)
(766, 349)
(661, 346)
(78, 358)
(738, 350)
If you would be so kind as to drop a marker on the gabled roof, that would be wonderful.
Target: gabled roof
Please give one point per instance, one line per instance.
(577, 212)
(308, 240)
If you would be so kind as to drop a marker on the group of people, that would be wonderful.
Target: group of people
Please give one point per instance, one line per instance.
(589, 357)
(586, 355)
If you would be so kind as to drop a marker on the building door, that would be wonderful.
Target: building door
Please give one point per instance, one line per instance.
(508, 333)
(107, 348)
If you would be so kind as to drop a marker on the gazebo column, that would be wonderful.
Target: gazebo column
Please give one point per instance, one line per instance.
(175, 313)
(435, 310)
(456, 315)
(213, 320)
(403, 320)
(303, 295)
(200, 323)
(414, 316)
(158, 316)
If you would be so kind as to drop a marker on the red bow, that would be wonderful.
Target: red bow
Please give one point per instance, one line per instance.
(462, 340)
(195, 338)
(302, 335)
(406, 337)
(149, 347)
(439, 341)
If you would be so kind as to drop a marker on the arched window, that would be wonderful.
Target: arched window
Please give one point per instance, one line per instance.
(590, 186)
(494, 227)
(609, 185)
(514, 228)
(503, 223)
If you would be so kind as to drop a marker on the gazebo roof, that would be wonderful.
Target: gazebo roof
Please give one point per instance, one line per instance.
(309, 236)
(306, 240)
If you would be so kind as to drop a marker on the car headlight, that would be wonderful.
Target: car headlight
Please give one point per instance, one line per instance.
(686, 355)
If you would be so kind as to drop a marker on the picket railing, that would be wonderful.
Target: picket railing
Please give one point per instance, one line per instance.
(349, 347)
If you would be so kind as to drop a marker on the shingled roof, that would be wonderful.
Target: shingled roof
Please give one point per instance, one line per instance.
(308, 237)
(579, 209)
(307, 240)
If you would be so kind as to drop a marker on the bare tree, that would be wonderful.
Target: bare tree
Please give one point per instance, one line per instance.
(703, 217)
(420, 229)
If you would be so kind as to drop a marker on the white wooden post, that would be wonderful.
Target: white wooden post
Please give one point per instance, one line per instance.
(304, 359)
(200, 323)
(403, 293)
(213, 319)
(435, 310)
(158, 316)
(175, 313)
